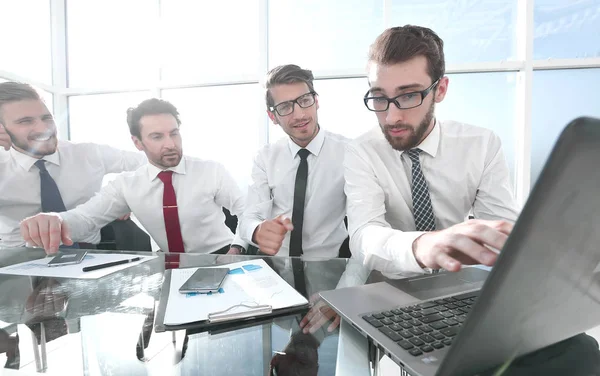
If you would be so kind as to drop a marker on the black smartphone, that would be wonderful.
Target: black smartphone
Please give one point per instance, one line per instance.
(205, 280)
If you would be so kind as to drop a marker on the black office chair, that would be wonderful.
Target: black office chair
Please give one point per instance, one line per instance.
(231, 221)
(124, 235)
(345, 247)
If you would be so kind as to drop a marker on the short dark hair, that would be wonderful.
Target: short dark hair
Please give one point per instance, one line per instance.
(286, 74)
(402, 43)
(16, 91)
(153, 106)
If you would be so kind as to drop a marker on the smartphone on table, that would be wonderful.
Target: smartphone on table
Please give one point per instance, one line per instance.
(205, 280)
(67, 258)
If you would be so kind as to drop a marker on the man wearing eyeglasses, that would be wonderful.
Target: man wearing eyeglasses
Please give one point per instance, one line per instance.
(296, 204)
(413, 181)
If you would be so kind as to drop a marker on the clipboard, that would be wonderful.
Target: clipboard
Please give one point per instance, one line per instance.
(226, 327)
(226, 317)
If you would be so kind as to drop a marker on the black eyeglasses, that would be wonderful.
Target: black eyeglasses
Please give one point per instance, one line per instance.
(402, 101)
(287, 107)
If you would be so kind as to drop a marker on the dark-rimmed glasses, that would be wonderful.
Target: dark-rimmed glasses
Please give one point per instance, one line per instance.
(402, 101)
(287, 107)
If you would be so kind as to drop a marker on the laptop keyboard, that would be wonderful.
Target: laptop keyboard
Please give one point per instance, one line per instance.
(424, 327)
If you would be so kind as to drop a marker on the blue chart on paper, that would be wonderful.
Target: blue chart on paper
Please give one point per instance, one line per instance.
(248, 268)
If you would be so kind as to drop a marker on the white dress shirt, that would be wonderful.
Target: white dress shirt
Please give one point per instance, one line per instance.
(202, 189)
(272, 193)
(77, 169)
(465, 170)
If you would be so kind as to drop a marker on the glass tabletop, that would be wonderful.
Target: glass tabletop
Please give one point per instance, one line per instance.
(109, 325)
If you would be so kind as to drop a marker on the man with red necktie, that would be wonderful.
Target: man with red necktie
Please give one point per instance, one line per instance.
(178, 199)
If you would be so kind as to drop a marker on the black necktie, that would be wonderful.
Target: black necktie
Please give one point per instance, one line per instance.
(422, 209)
(298, 221)
(51, 199)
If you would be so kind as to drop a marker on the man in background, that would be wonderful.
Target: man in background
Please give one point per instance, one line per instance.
(296, 203)
(40, 173)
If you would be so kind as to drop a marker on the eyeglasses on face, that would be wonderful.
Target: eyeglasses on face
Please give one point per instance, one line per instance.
(287, 107)
(403, 101)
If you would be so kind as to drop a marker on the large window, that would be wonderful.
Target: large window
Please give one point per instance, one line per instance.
(522, 68)
(26, 39)
(200, 46)
(329, 36)
(472, 31)
(112, 43)
(559, 96)
(102, 118)
(566, 29)
(220, 123)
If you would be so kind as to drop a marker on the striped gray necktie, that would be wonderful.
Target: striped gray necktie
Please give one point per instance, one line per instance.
(422, 210)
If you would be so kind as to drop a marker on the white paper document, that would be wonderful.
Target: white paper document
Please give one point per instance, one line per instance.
(252, 283)
(40, 268)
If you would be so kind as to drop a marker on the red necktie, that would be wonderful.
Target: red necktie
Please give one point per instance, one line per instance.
(171, 214)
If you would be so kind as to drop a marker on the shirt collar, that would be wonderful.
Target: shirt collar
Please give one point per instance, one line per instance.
(26, 162)
(314, 146)
(153, 171)
(431, 143)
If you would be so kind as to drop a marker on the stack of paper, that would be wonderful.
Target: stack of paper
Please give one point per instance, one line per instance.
(249, 284)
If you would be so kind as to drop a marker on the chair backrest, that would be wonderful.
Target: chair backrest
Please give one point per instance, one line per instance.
(124, 235)
(231, 221)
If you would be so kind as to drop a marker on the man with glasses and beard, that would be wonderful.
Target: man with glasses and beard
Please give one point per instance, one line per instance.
(412, 182)
(40, 173)
(178, 199)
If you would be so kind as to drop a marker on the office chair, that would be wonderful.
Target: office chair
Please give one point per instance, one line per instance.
(345, 247)
(124, 235)
(231, 221)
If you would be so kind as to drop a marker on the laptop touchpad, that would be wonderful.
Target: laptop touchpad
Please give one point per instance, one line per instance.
(432, 286)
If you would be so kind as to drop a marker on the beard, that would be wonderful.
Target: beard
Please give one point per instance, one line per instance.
(415, 134)
(171, 158)
(36, 149)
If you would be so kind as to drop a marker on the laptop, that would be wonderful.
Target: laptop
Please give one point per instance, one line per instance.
(544, 287)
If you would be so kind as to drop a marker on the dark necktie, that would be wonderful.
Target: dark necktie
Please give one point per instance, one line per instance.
(52, 201)
(422, 210)
(298, 221)
(171, 216)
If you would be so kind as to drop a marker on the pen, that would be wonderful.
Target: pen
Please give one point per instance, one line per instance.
(109, 264)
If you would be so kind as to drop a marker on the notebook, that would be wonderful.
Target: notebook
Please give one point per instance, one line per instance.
(250, 289)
